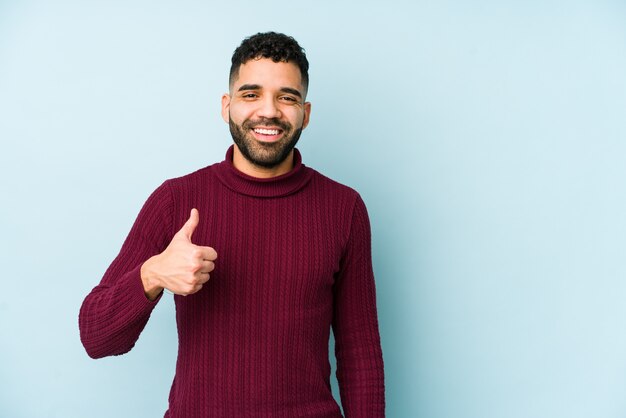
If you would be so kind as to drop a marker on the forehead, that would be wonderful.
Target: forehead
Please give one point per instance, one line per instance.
(267, 73)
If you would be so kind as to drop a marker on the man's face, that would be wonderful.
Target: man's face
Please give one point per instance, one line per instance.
(266, 110)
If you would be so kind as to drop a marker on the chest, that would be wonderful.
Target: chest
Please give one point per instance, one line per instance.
(262, 244)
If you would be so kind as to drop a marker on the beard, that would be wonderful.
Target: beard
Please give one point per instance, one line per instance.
(264, 154)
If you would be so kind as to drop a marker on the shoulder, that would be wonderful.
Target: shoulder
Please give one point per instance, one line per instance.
(333, 187)
(193, 177)
(191, 181)
(185, 192)
(338, 199)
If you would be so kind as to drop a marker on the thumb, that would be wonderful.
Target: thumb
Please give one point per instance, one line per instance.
(190, 225)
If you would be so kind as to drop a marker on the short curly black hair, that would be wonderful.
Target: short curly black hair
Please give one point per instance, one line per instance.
(276, 46)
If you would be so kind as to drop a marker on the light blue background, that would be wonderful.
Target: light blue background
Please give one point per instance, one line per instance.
(486, 138)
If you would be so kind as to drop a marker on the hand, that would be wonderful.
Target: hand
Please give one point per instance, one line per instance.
(182, 268)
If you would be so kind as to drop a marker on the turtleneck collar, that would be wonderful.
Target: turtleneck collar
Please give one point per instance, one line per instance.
(282, 185)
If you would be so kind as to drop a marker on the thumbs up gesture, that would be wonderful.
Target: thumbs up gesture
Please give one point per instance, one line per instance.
(182, 268)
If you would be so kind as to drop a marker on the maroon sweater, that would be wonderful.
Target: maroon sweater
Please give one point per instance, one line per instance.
(294, 259)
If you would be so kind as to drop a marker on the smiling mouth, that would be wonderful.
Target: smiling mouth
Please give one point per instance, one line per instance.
(266, 131)
(267, 134)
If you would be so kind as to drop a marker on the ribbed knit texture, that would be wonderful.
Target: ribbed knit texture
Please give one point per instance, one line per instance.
(294, 259)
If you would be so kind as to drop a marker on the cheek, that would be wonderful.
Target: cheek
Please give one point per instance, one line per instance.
(295, 117)
(240, 113)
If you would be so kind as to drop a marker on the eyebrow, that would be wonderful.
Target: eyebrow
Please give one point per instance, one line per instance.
(249, 87)
(258, 87)
(291, 91)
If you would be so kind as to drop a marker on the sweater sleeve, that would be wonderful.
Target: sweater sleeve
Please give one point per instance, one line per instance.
(116, 311)
(355, 325)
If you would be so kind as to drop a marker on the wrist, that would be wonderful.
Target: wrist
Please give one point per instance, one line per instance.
(150, 280)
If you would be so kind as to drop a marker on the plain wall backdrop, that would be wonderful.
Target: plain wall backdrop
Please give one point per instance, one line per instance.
(487, 138)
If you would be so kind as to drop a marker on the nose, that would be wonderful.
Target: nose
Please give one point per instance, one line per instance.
(268, 108)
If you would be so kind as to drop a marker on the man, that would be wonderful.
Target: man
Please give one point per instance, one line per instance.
(294, 259)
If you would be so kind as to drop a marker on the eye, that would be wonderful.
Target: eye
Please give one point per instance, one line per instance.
(289, 99)
(249, 95)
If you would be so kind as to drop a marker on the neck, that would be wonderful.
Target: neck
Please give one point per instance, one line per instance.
(242, 164)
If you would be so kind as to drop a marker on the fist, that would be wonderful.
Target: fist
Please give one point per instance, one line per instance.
(183, 268)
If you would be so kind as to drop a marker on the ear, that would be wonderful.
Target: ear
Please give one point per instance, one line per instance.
(226, 107)
(307, 114)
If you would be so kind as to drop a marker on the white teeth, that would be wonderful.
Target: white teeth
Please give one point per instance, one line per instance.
(266, 131)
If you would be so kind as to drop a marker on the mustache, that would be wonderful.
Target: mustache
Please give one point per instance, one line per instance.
(251, 124)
